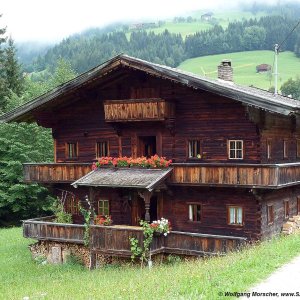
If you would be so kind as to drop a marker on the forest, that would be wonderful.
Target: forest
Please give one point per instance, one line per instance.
(20, 143)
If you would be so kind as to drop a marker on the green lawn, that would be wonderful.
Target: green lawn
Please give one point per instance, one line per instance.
(244, 64)
(20, 276)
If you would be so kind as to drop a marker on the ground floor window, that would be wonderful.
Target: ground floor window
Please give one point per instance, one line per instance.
(72, 205)
(195, 212)
(235, 215)
(270, 214)
(103, 207)
(286, 209)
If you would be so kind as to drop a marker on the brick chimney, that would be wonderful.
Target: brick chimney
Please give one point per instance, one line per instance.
(225, 71)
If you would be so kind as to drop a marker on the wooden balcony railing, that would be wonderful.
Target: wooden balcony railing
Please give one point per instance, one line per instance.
(55, 172)
(114, 240)
(242, 175)
(271, 176)
(138, 110)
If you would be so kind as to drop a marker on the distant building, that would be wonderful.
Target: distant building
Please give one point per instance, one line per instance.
(207, 16)
(263, 68)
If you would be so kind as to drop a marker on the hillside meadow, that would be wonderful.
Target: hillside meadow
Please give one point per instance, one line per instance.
(208, 278)
(244, 67)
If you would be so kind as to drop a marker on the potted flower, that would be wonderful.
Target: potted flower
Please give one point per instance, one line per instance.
(103, 220)
(162, 226)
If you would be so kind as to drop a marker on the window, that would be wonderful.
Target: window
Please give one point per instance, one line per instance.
(195, 212)
(72, 150)
(103, 207)
(270, 214)
(72, 205)
(235, 215)
(194, 149)
(102, 149)
(286, 209)
(269, 149)
(235, 149)
(285, 149)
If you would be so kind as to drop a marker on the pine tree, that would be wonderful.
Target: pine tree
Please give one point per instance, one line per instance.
(3, 88)
(12, 69)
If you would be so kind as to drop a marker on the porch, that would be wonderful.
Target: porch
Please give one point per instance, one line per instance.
(114, 240)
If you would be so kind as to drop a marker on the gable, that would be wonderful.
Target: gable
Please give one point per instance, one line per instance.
(117, 69)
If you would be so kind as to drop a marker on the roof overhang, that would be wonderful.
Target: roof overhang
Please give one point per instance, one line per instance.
(137, 178)
(247, 95)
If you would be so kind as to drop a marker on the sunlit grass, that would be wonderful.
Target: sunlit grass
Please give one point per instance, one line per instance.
(196, 279)
(244, 67)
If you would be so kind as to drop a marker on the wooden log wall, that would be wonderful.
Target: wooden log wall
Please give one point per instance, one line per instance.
(277, 199)
(199, 115)
(214, 218)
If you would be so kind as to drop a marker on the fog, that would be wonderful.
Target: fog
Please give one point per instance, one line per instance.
(42, 21)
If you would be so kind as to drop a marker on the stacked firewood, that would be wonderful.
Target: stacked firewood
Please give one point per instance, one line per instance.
(292, 225)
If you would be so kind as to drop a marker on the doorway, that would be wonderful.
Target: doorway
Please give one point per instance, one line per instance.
(147, 146)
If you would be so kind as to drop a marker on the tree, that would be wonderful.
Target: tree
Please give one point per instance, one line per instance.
(291, 88)
(12, 69)
(20, 143)
(3, 89)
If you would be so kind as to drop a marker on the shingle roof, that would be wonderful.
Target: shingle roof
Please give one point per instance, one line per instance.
(124, 177)
(248, 95)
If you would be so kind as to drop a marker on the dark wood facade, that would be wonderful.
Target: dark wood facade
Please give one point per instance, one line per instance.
(234, 152)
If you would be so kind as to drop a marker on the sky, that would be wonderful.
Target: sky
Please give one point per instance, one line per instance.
(44, 21)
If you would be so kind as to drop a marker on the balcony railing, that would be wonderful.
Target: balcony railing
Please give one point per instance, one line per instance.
(138, 110)
(114, 240)
(239, 175)
(55, 172)
(272, 176)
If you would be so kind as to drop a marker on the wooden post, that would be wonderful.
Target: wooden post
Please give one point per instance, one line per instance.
(92, 203)
(146, 195)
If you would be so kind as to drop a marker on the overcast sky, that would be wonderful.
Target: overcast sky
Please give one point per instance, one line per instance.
(52, 20)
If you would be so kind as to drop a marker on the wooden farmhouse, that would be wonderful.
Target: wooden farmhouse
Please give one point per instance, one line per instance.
(235, 151)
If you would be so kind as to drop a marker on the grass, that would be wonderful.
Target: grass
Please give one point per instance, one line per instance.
(244, 63)
(20, 276)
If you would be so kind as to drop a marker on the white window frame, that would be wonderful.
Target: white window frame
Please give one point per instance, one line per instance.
(235, 149)
(235, 215)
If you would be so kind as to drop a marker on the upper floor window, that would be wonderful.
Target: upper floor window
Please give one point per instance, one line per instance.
(286, 209)
(235, 149)
(235, 215)
(195, 212)
(102, 149)
(72, 150)
(103, 207)
(194, 149)
(270, 214)
(269, 149)
(285, 149)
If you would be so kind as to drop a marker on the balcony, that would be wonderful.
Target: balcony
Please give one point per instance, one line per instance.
(114, 240)
(55, 172)
(138, 110)
(272, 176)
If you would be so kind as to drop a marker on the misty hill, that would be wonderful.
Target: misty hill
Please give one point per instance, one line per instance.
(171, 47)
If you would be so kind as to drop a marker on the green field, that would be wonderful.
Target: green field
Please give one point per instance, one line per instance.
(244, 63)
(222, 18)
(197, 279)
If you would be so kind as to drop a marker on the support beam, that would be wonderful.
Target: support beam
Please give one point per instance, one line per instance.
(146, 195)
